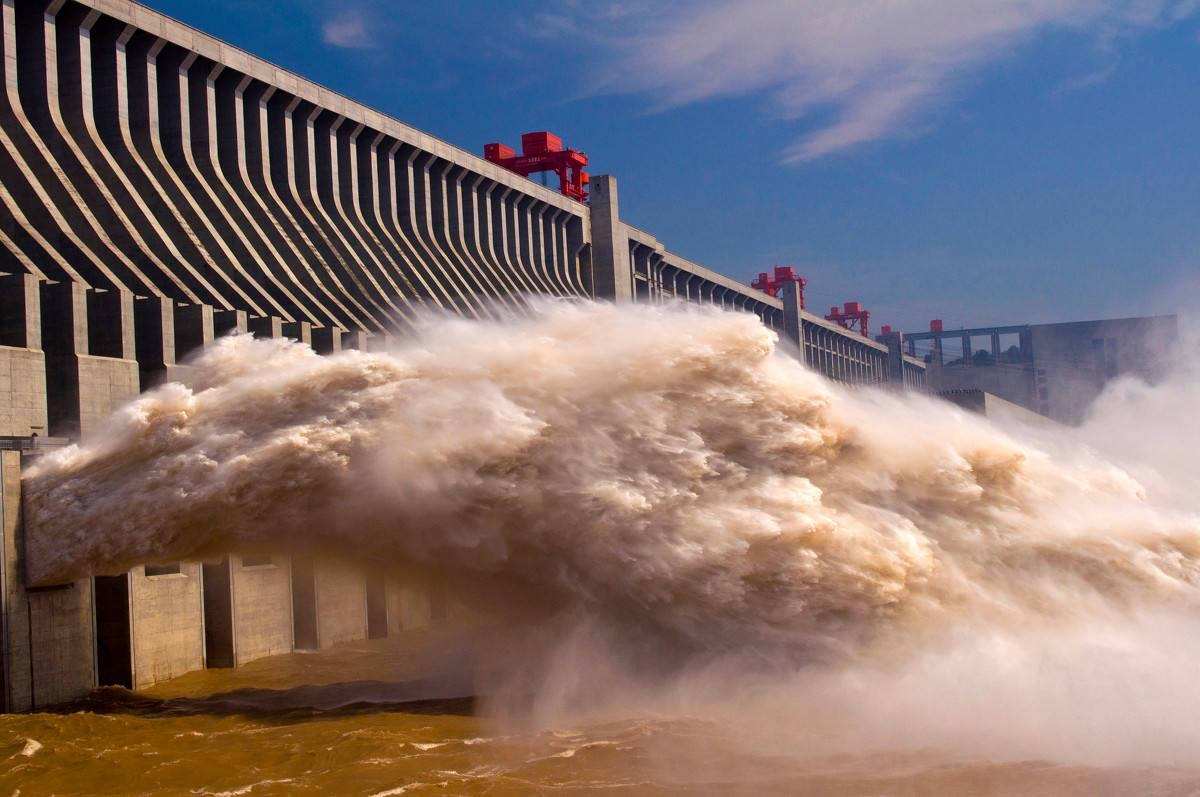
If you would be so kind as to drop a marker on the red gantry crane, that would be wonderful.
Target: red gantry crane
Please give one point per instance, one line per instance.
(770, 284)
(851, 314)
(543, 152)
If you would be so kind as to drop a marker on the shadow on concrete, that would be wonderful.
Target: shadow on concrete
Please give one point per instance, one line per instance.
(449, 695)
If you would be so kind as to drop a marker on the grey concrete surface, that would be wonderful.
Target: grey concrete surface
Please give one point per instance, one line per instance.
(1056, 370)
(168, 624)
(262, 608)
(47, 633)
(341, 602)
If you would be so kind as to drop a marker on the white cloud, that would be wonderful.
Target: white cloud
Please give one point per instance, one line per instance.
(878, 66)
(348, 29)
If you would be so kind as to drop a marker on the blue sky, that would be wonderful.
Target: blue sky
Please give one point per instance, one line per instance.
(979, 161)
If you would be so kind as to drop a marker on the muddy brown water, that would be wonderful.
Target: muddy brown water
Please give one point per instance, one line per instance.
(348, 721)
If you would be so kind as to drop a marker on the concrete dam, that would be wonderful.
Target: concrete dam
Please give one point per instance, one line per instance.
(161, 189)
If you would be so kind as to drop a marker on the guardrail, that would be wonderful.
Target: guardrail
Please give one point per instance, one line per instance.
(33, 444)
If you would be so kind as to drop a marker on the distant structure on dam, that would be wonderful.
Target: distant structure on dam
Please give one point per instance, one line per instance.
(159, 188)
(1054, 370)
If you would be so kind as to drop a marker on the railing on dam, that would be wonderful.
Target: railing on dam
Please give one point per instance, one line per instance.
(841, 354)
(658, 275)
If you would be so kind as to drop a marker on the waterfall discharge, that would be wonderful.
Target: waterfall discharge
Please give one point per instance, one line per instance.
(667, 472)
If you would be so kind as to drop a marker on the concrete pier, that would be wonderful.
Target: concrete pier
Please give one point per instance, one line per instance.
(47, 632)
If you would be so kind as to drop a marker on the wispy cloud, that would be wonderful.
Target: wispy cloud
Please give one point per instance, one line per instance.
(876, 67)
(348, 29)
(1085, 81)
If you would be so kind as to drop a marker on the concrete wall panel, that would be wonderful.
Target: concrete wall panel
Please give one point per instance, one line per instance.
(18, 687)
(262, 609)
(61, 643)
(341, 602)
(47, 634)
(105, 383)
(22, 392)
(408, 606)
(168, 624)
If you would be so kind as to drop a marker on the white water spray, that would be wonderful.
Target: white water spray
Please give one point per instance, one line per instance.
(664, 470)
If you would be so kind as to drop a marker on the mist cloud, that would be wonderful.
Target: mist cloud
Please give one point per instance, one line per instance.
(348, 29)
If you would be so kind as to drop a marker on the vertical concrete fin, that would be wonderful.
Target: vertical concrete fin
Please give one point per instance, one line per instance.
(789, 292)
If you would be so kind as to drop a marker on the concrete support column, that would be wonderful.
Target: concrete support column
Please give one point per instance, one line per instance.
(266, 327)
(1026, 345)
(327, 340)
(226, 322)
(968, 354)
(298, 330)
(995, 347)
(789, 292)
(154, 328)
(612, 278)
(64, 338)
(20, 311)
(64, 318)
(193, 328)
(894, 370)
(110, 324)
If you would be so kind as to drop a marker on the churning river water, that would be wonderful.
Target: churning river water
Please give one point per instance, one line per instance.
(255, 731)
(696, 567)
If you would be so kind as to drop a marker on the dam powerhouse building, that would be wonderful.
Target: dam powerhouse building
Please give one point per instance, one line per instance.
(159, 188)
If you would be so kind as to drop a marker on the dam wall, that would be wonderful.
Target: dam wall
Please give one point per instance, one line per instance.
(152, 166)
(159, 189)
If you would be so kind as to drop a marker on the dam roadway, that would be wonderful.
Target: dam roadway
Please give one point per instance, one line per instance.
(160, 188)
